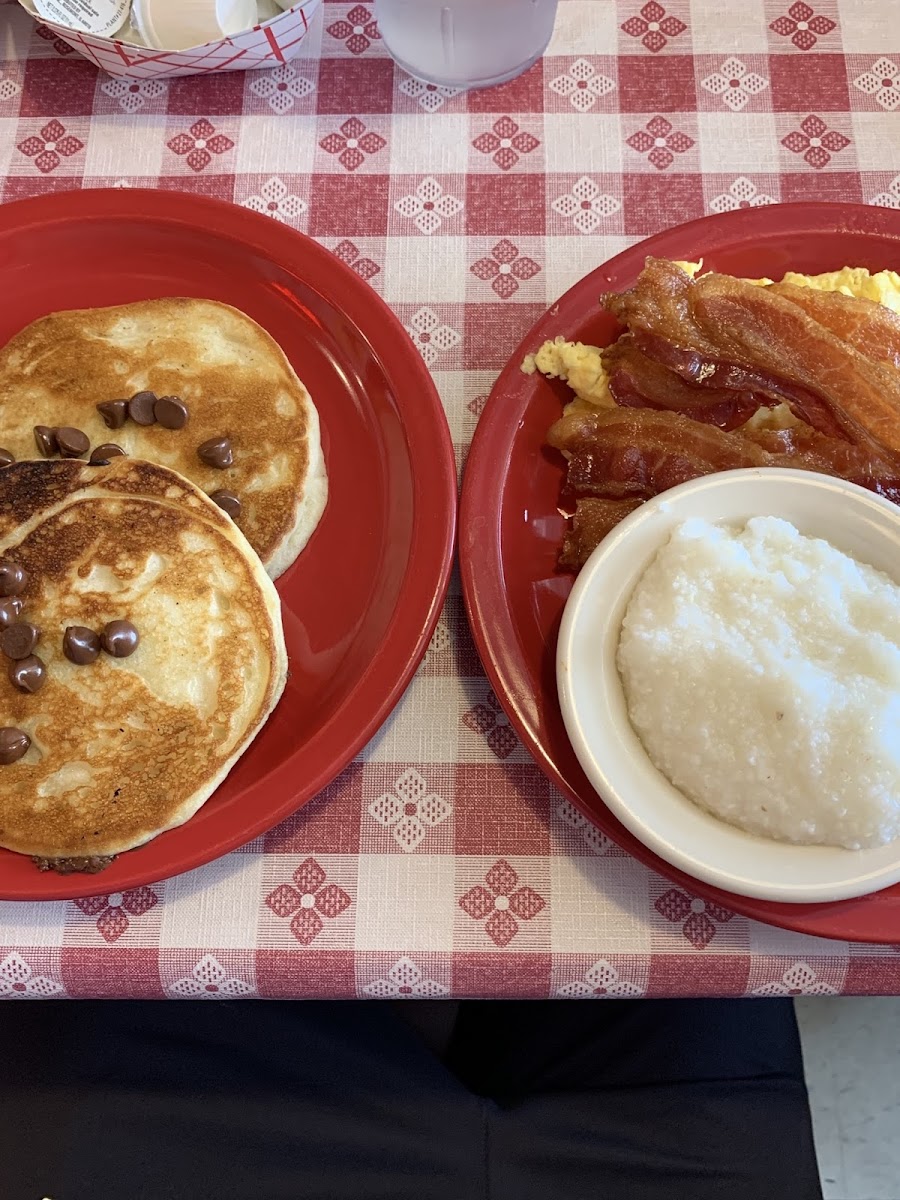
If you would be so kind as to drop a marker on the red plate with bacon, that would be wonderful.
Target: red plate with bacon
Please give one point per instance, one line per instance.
(514, 518)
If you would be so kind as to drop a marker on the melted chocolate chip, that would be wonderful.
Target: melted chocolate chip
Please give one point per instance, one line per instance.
(216, 452)
(119, 638)
(171, 412)
(72, 443)
(10, 609)
(228, 502)
(12, 578)
(114, 413)
(28, 674)
(81, 645)
(13, 744)
(6, 457)
(101, 455)
(141, 406)
(45, 440)
(18, 641)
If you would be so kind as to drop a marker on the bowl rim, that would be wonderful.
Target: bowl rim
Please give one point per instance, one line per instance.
(603, 588)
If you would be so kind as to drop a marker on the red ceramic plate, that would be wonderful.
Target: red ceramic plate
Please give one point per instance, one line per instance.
(362, 600)
(511, 530)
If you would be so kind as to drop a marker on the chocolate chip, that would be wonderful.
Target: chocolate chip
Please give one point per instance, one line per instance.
(10, 608)
(6, 457)
(228, 502)
(13, 744)
(81, 645)
(72, 443)
(28, 674)
(45, 440)
(12, 578)
(101, 455)
(171, 412)
(141, 406)
(18, 641)
(216, 452)
(119, 638)
(114, 413)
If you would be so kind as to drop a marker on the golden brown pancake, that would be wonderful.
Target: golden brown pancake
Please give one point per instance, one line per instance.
(233, 377)
(124, 748)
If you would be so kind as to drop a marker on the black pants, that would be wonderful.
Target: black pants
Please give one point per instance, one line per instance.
(250, 1100)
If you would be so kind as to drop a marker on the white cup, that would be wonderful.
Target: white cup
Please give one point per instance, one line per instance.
(465, 43)
(182, 24)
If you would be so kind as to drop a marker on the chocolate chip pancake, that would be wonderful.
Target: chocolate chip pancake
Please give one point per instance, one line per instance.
(154, 639)
(192, 384)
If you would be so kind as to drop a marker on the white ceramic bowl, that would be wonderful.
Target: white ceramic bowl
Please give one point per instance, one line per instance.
(593, 703)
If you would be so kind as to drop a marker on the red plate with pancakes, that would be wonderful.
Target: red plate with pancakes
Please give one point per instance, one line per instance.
(511, 529)
(361, 601)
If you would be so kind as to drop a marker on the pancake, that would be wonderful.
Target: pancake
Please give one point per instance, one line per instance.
(124, 748)
(233, 377)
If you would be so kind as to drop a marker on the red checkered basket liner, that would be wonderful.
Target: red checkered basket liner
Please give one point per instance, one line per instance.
(266, 45)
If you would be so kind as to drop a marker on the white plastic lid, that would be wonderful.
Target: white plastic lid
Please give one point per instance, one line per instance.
(102, 17)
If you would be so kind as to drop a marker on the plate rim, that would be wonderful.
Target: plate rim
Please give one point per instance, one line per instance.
(434, 487)
(480, 543)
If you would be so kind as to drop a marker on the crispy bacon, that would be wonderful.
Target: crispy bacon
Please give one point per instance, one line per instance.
(659, 304)
(699, 357)
(638, 381)
(620, 452)
(869, 327)
(712, 373)
(808, 448)
(730, 323)
(632, 454)
(592, 521)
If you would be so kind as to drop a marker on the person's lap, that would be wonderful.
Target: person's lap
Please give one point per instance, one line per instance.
(257, 1100)
(644, 1100)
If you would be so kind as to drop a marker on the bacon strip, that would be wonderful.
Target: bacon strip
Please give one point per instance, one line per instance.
(731, 323)
(659, 303)
(810, 449)
(700, 356)
(710, 373)
(592, 521)
(869, 327)
(636, 453)
(638, 381)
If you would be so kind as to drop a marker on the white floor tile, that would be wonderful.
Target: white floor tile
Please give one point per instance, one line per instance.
(851, 1050)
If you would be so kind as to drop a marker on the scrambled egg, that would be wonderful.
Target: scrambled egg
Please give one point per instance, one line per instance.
(883, 287)
(580, 366)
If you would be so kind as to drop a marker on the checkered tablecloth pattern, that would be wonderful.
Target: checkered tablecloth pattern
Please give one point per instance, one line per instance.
(442, 862)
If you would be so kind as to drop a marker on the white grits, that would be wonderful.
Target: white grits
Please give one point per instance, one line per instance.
(762, 674)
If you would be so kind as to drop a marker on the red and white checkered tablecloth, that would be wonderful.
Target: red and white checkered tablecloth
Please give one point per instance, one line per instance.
(442, 862)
